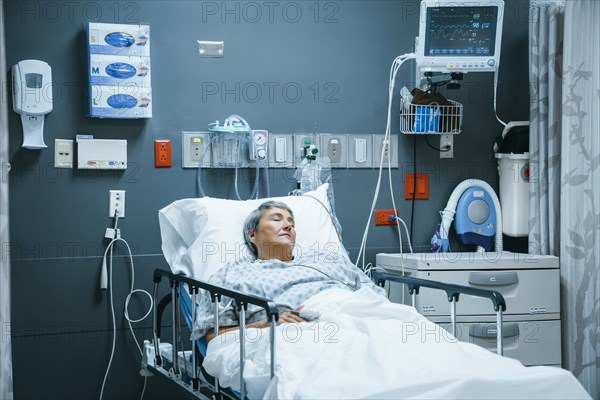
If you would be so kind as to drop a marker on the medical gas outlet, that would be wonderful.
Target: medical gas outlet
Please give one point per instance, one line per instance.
(287, 150)
(258, 146)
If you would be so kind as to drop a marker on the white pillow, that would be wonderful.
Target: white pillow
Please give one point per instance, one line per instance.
(200, 235)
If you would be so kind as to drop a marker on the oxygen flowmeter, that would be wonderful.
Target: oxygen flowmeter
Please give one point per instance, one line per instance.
(309, 171)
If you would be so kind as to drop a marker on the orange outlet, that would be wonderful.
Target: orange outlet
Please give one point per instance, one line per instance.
(162, 153)
(382, 217)
(422, 186)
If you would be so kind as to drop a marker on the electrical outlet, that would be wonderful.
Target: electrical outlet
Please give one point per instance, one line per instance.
(382, 217)
(195, 149)
(383, 148)
(116, 202)
(63, 153)
(447, 146)
(162, 153)
(333, 146)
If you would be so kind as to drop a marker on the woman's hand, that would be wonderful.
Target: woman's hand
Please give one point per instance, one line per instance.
(284, 317)
(288, 316)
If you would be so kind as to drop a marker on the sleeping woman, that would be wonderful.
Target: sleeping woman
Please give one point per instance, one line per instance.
(275, 273)
(360, 346)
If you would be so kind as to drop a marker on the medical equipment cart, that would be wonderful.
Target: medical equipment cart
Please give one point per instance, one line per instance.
(529, 283)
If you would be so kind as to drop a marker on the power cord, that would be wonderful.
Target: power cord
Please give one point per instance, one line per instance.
(400, 220)
(495, 97)
(398, 61)
(115, 235)
(414, 194)
(442, 150)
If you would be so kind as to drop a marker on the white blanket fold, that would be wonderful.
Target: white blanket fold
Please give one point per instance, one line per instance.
(364, 346)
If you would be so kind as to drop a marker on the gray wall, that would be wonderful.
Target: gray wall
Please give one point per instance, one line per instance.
(60, 332)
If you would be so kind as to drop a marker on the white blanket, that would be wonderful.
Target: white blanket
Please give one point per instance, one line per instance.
(367, 347)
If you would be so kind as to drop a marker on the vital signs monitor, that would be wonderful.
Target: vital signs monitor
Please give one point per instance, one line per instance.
(459, 37)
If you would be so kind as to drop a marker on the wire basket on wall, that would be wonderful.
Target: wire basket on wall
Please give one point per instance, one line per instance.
(431, 119)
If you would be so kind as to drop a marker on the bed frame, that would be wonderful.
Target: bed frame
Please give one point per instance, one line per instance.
(184, 367)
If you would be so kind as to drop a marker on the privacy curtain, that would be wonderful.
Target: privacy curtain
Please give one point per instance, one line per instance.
(565, 155)
(5, 346)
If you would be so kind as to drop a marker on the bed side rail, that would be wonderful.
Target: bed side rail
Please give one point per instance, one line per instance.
(453, 293)
(216, 293)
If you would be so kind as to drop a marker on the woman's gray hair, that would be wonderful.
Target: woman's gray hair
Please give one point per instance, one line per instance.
(251, 223)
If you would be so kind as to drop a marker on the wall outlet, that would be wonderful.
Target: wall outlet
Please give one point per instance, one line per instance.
(162, 153)
(63, 153)
(385, 217)
(116, 202)
(195, 149)
(334, 147)
(447, 146)
(383, 148)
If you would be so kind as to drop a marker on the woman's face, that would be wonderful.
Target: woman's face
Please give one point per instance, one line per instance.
(275, 233)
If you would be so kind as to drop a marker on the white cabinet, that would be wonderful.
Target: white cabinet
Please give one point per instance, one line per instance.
(530, 286)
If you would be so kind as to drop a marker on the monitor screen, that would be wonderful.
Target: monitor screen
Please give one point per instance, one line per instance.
(461, 31)
(456, 37)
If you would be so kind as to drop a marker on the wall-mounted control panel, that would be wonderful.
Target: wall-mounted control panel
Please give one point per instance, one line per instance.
(286, 150)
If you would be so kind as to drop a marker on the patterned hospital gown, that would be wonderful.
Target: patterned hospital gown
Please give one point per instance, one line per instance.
(289, 285)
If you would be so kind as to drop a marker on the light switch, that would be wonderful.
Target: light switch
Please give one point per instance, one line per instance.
(360, 153)
(280, 149)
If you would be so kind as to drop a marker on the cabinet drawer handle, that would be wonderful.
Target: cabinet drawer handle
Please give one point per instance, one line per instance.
(493, 278)
(488, 331)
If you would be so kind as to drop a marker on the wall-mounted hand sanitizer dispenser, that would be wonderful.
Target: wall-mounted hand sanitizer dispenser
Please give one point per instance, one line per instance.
(32, 98)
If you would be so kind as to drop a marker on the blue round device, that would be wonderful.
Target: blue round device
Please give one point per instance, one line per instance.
(475, 219)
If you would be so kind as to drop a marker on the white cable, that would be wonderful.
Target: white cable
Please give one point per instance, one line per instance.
(114, 326)
(201, 193)
(393, 71)
(495, 97)
(398, 219)
(396, 211)
(109, 251)
(235, 183)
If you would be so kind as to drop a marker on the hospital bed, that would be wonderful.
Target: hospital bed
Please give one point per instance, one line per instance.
(195, 246)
